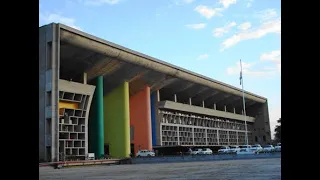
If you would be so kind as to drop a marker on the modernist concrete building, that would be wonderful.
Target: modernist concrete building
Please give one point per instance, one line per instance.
(94, 93)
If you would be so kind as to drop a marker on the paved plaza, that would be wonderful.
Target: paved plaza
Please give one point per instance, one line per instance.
(253, 169)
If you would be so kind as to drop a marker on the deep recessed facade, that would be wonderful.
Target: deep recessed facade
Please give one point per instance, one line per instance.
(96, 96)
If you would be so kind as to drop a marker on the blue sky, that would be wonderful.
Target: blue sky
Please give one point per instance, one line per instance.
(205, 36)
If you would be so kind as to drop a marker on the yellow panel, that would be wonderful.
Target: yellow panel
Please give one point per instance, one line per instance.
(70, 105)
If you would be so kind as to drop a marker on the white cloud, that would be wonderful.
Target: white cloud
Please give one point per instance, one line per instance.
(208, 12)
(274, 56)
(47, 18)
(249, 4)
(273, 26)
(203, 56)
(245, 26)
(218, 32)
(196, 26)
(227, 3)
(100, 2)
(248, 70)
(267, 14)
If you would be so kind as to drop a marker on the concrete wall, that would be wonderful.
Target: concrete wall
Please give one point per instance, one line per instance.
(200, 110)
(49, 60)
(85, 89)
(42, 91)
(175, 159)
(140, 119)
(262, 125)
(117, 121)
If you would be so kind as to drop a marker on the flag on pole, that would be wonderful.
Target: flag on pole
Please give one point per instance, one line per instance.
(240, 72)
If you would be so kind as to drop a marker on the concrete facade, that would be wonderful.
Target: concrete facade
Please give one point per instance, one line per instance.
(183, 108)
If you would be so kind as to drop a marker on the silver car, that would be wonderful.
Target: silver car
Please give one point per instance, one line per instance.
(234, 149)
(268, 148)
(256, 148)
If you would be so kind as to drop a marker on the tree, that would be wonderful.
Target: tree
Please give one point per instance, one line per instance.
(277, 131)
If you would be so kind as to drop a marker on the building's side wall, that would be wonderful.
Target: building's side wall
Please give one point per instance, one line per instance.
(267, 121)
(262, 133)
(42, 92)
(117, 121)
(140, 116)
(49, 57)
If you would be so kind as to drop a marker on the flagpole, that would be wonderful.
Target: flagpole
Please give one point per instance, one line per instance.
(244, 105)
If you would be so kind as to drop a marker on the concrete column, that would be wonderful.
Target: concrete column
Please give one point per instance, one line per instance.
(190, 103)
(158, 95)
(218, 137)
(160, 134)
(178, 135)
(225, 108)
(234, 110)
(153, 100)
(175, 97)
(214, 106)
(117, 121)
(228, 136)
(140, 119)
(206, 136)
(237, 137)
(193, 136)
(96, 122)
(203, 104)
(84, 78)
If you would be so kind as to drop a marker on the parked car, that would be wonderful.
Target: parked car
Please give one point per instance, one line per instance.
(189, 151)
(224, 149)
(268, 148)
(256, 148)
(245, 147)
(278, 147)
(145, 153)
(197, 151)
(245, 150)
(205, 151)
(234, 149)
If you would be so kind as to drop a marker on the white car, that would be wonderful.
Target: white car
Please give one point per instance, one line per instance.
(145, 153)
(268, 148)
(278, 147)
(205, 151)
(245, 147)
(234, 149)
(198, 151)
(256, 148)
(224, 149)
